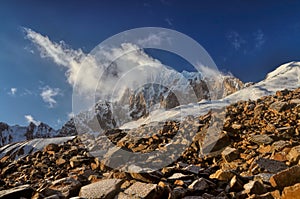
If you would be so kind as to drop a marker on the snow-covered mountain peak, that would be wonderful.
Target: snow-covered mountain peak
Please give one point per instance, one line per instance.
(285, 76)
(283, 69)
(16, 133)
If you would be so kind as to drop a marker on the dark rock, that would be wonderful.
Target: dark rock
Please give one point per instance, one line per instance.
(272, 166)
(254, 187)
(68, 187)
(17, 192)
(236, 184)
(200, 185)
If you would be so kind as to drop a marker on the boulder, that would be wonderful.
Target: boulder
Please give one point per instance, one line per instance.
(287, 177)
(143, 190)
(272, 166)
(199, 185)
(17, 192)
(107, 188)
(278, 106)
(229, 154)
(261, 139)
(222, 175)
(254, 187)
(68, 187)
(294, 155)
(292, 192)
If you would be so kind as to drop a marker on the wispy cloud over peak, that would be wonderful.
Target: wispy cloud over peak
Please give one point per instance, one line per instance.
(29, 119)
(84, 71)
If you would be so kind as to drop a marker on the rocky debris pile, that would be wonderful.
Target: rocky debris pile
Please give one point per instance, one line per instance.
(255, 155)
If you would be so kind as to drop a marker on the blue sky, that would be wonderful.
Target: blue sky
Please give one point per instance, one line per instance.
(246, 38)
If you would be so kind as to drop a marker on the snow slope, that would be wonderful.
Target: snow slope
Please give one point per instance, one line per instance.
(286, 76)
(21, 149)
(16, 133)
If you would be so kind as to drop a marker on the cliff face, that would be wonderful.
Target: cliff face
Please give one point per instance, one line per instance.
(189, 87)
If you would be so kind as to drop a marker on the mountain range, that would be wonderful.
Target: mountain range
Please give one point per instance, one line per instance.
(154, 102)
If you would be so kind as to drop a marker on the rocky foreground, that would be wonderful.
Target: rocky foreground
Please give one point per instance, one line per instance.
(256, 155)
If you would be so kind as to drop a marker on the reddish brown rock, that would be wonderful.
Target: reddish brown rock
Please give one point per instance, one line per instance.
(292, 192)
(286, 177)
(294, 155)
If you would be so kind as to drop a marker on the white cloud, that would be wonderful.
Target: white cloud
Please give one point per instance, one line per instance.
(259, 38)
(235, 39)
(153, 39)
(48, 95)
(85, 71)
(169, 21)
(13, 91)
(29, 119)
(71, 115)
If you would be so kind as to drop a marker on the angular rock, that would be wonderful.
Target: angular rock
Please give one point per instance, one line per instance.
(178, 192)
(177, 176)
(261, 139)
(254, 187)
(272, 166)
(143, 190)
(68, 187)
(51, 147)
(144, 177)
(60, 161)
(265, 177)
(278, 106)
(229, 154)
(294, 155)
(236, 184)
(17, 192)
(193, 169)
(107, 188)
(122, 195)
(286, 177)
(292, 192)
(199, 185)
(279, 145)
(222, 175)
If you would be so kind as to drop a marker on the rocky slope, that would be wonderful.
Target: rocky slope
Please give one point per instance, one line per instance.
(256, 155)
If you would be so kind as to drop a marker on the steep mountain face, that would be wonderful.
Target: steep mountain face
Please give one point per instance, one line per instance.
(284, 77)
(170, 90)
(16, 133)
